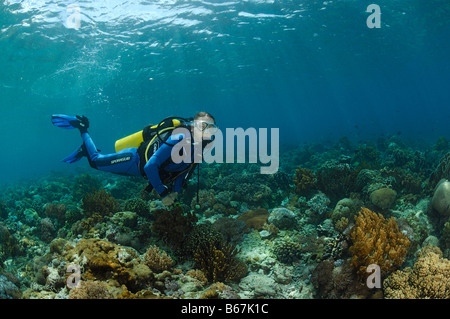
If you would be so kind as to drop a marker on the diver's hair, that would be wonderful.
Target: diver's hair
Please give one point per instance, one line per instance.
(203, 114)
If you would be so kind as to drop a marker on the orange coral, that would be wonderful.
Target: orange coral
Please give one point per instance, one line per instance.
(377, 241)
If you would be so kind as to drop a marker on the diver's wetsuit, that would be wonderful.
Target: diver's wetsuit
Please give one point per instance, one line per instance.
(126, 162)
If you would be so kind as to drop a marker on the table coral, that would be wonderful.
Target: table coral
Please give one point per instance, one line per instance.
(377, 241)
(429, 278)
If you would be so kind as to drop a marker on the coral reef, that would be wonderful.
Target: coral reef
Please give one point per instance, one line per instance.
(304, 232)
(377, 241)
(429, 278)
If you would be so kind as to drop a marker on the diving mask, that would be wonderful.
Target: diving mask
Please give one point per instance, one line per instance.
(206, 126)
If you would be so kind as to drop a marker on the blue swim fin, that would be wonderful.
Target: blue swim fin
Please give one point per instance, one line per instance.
(64, 121)
(79, 153)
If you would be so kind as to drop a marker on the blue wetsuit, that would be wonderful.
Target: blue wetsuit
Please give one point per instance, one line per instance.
(126, 162)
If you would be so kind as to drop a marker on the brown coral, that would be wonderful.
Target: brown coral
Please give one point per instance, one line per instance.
(100, 202)
(219, 263)
(102, 260)
(173, 226)
(429, 278)
(377, 241)
(91, 290)
(304, 181)
(255, 218)
(157, 260)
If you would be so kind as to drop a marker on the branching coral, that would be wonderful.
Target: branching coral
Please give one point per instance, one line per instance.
(377, 241)
(218, 261)
(157, 260)
(429, 278)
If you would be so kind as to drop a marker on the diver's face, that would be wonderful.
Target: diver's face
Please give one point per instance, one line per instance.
(204, 128)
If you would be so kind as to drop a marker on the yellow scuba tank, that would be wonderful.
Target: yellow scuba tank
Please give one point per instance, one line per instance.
(135, 139)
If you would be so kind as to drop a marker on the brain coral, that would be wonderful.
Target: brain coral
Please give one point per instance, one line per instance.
(377, 241)
(428, 278)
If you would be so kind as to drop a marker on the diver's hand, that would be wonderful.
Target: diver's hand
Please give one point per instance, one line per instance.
(170, 199)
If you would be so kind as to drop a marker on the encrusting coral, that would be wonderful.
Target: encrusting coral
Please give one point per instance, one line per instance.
(429, 278)
(377, 241)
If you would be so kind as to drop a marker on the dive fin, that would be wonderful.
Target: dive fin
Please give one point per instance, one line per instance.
(76, 156)
(64, 121)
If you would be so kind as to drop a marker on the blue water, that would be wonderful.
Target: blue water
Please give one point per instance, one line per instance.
(314, 69)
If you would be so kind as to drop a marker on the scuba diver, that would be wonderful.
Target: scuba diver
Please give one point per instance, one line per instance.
(149, 153)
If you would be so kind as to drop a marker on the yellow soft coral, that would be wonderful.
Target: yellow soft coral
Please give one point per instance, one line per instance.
(429, 278)
(377, 241)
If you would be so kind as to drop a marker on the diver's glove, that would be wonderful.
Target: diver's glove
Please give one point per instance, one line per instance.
(170, 199)
(82, 123)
